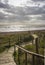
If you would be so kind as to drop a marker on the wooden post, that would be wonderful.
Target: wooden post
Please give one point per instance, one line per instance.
(33, 60)
(14, 51)
(36, 45)
(9, 42)
(25, 58)
(18, 56)
(37, 51)
(14, 48)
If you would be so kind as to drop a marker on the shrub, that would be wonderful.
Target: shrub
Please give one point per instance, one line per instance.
(30, 48)
(41, 51)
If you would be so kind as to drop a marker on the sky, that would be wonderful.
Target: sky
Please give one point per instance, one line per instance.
(22, 11)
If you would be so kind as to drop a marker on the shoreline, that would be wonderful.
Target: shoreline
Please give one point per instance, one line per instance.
(16, 32)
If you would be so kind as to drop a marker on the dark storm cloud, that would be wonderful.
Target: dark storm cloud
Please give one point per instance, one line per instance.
(2, 5)
(35, 10)
(20, 13)
(16, 10)
(19, 18)
(2, 16)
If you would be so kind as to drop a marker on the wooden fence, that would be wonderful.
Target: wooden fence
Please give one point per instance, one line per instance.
(26, 52)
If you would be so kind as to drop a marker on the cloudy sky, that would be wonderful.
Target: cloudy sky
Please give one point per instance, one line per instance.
(22, 11)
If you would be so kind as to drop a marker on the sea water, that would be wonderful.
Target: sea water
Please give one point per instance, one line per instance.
(13, 28)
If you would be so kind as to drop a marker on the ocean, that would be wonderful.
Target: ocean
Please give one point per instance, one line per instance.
(13, 28)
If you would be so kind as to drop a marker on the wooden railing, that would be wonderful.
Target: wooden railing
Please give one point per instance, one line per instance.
(26, 52)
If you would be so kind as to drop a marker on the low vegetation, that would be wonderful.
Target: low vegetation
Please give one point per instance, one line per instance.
(19, 38)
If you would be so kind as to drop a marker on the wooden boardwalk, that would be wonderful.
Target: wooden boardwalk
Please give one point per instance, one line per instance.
(6, 58)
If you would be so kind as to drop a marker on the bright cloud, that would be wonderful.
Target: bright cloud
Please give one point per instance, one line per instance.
(22, 11)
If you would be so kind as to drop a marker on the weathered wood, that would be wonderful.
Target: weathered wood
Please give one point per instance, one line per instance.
(18, 56)
(9, 42)
(25, 58)
(36, 42)
(32, 53)
(14, 48)
(28, 52)
(33, 60)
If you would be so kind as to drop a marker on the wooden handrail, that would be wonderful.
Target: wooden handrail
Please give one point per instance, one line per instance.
(29, 52)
